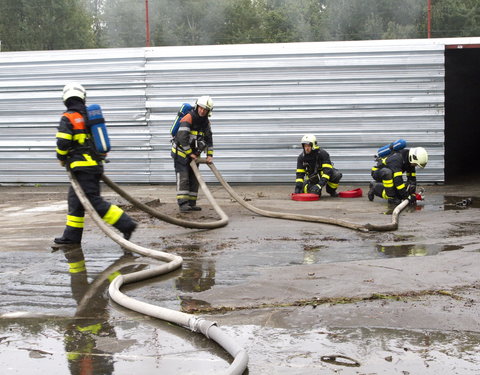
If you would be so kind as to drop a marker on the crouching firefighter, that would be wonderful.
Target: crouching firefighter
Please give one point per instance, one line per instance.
(193, 137)
(315, 169)
(76, 151)
(388, 175)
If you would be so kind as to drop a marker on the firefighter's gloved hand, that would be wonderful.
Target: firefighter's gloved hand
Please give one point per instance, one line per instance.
(412, 188)
(315, 189)
(412, 199)
(298, 187)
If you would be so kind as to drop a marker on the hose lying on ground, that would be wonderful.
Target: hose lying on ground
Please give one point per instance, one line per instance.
(169, 219)
(195, 324)
(291, 216)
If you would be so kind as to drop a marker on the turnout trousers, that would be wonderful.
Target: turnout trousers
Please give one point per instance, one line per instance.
(110, 213)
(187, 183)
(383, 186)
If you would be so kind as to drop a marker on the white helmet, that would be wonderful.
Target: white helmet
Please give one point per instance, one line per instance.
(205, 102)
(311, 140)
(418, 156)
(74, 89)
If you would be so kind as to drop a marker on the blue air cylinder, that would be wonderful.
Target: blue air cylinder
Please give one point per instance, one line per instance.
(98, 129)
(388, 149)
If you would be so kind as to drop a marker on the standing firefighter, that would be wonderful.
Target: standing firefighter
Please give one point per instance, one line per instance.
(388, 175)
(76, 151)
(194, 136)
(315, 170)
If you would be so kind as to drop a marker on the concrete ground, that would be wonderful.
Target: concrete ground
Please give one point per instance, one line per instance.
(294, 294)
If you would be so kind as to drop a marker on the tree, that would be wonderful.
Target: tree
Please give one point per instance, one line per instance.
(44, 25)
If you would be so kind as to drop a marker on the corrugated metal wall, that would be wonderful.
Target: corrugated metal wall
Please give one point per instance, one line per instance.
(354, 96)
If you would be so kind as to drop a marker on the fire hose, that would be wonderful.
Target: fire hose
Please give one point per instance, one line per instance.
(172, 262)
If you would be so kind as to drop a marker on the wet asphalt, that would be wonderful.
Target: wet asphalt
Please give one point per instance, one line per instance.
(296, 295)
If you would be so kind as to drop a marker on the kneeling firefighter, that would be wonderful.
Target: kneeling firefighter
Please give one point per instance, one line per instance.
(193, 137)
(315, 170)
(77, 152)
(388, 175)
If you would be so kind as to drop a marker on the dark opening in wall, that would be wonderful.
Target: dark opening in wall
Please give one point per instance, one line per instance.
(462, 112)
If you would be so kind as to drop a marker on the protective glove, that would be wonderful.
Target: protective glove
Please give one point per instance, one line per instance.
(412, 188)
(298, 187)
(412, 199)
(315, 189)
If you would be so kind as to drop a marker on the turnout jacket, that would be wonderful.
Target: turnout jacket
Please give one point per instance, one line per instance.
(194, 135)
(398, 164)
(74, 144)
(315, 167)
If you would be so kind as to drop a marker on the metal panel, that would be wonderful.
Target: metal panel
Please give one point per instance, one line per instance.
(31, 106)
(354, 96)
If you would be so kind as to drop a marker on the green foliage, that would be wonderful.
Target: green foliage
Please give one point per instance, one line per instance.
(44, 25)
(69, 24)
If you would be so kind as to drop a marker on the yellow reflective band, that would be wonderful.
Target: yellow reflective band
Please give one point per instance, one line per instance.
(75, 221)
(396, 174)
(77, 266)
(387, 183)
(182, 196)
(78, 219)
(332, 185)
(299, 180)
(94, 328)
(61, 152)
(72, 356)
(300, 170)
(327, 166)
(195, 132)
(182, 154)
(384, 195)
(326, 176)
(374, 169)
(89, 162)
(384, 161)
(66, 136)
(112, 276)
(80, 138)
(209, 152)
(113, 214)
(413, 174)
(400, 187)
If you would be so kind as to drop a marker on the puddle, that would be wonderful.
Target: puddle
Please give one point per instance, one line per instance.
(119, 346)
(460, 203)
(414, 250)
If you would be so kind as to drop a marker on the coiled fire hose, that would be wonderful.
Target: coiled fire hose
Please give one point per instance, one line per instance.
(195, 324)
(316, 219)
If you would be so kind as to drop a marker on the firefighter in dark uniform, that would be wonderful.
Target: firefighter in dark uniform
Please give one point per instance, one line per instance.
(76, 151)
(388, 175)
(194, 136)
(315, 169)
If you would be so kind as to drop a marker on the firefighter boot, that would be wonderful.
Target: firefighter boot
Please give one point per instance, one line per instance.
(185, 207)
(371, 192)
(65, 241)
(127, 233)
(193, 206)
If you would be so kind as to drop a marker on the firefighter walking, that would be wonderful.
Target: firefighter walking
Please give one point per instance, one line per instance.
(76, 151)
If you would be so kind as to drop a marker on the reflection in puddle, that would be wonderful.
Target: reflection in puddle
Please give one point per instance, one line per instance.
(197, 275)
(415, 250)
